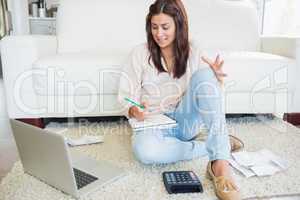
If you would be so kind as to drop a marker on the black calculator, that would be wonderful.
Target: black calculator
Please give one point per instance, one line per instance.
(181, 182)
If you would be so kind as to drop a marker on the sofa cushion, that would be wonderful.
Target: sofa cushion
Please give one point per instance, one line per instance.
(224, 25)
(119, 25)
(77, 74)
(109, 25)
(98, 73)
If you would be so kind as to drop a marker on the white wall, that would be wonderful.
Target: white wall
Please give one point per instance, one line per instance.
(5, 130)
(0, 66)
(19, 12)
(282, 17)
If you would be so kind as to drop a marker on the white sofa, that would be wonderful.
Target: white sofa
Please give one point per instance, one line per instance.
(76, 72)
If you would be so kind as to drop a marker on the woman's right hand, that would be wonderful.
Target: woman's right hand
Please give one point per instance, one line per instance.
(137, 112)
(216, 66)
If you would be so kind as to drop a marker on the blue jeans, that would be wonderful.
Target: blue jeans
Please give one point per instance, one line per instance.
(200, 106)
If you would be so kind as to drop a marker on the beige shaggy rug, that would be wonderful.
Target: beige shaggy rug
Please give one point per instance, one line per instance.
(145, 182)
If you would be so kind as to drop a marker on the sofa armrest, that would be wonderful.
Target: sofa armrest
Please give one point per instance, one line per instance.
(288, 46)
(18, 53)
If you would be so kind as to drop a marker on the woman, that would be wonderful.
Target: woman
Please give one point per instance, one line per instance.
(168, 75)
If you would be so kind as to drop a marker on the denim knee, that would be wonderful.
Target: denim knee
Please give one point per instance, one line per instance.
(203, 75)
(204, 82)
(146, 147)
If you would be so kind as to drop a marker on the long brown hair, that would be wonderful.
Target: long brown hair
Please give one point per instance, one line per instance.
(181, 47)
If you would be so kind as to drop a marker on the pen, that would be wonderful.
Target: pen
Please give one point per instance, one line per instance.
(134, 103)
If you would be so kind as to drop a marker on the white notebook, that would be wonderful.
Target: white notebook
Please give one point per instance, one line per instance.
(153, 121)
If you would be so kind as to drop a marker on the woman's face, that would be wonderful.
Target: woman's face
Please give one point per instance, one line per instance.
(163, 30)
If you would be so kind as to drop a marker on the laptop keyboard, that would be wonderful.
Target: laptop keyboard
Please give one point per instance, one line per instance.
(82, 178)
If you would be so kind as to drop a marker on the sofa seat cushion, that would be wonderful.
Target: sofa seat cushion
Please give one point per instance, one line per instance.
(77, 74)
(257, 72)
(96, 73)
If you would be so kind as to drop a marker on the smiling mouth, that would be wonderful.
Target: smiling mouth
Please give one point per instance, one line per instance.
(161, 40)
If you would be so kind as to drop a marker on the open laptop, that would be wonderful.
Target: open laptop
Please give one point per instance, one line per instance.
(46, 156)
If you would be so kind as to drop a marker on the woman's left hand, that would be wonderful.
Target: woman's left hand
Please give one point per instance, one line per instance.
(216, 66)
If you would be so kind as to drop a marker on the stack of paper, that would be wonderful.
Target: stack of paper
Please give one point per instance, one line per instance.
(259, 163)
(160, 121)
